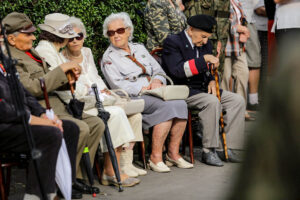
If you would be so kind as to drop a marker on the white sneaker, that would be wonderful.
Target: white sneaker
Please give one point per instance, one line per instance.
(159, 167)
(181, 163)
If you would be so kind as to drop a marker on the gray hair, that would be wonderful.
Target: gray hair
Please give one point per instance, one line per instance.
(76, 22)
(118, 16)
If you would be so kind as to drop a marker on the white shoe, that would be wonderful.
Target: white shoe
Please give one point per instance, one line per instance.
(159, 167)
(181, 163)
(141, 172)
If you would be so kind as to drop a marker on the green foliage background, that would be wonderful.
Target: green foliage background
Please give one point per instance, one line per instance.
(91, 12)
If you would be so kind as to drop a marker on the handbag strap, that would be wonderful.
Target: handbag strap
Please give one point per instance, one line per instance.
(140, 65)
(163, 75)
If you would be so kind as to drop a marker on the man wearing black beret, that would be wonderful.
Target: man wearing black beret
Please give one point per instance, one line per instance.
(185, 59)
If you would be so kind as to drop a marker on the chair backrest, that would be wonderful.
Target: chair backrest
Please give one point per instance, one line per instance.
(157, 53)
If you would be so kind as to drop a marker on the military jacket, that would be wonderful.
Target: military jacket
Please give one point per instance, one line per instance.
(185, 65)
(30, 71)
(219, 9)
(122, 72)
(161, 20)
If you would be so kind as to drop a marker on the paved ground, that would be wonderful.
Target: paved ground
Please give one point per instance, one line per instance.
(202, 183)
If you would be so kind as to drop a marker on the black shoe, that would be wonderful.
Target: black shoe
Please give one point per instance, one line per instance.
(211, 158)
(75, 194)
(82, 187)
(232, 157)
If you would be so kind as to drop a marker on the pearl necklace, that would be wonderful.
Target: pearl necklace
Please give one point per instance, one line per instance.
(69, 55)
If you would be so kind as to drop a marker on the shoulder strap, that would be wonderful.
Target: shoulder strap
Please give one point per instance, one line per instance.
(139, 64)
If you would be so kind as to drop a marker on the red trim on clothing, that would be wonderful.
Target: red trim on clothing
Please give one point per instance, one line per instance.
(0, 100)
(32, 57)
(193, 67)
(3, 69)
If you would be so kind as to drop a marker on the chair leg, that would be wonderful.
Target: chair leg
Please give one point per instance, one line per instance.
(98, 169)
(191, 145)
(142, 146)
(7, 182)
(2, 189)
(184, 139)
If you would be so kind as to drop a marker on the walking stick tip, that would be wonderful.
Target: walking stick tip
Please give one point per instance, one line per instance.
(120, 188)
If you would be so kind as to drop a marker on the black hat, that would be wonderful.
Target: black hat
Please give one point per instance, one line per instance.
(203, 22)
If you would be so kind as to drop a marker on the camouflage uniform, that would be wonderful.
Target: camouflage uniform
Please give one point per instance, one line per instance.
(161, 20)
(220, 9)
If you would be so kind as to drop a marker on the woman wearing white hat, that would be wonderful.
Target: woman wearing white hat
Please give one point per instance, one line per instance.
(56, 32)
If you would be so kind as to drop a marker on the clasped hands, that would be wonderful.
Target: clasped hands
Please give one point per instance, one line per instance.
(43, 120)
(156, 83)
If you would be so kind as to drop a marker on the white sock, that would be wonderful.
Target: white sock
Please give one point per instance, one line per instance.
(253, 98)
(206, 150)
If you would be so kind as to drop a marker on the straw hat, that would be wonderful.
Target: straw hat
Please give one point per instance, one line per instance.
(58, 24)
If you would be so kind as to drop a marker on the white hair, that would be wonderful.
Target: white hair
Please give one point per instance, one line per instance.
(76, 22)
(118, 16)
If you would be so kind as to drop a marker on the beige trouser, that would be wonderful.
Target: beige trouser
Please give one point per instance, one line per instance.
(210, 110)
(91, 130)
(237, 68)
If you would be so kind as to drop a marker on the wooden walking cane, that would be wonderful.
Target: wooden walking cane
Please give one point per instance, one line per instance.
(214, 72)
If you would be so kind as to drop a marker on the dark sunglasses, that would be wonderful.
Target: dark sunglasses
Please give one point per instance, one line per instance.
(119, 31)
(80, 37)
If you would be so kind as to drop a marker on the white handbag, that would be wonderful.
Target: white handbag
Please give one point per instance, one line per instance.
(168, 92)
(130, 106)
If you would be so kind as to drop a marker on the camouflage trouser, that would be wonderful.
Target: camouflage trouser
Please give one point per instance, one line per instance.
(222, 54)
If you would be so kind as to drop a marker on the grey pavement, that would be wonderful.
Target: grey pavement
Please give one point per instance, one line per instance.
(203, 182)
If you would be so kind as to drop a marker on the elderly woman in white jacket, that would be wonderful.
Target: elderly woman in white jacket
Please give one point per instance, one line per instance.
(124, 132)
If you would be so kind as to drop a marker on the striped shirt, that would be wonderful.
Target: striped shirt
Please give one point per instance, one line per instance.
(236, 17)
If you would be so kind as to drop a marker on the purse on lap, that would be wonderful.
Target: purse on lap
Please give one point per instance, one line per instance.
(168, 92)
(130, 106)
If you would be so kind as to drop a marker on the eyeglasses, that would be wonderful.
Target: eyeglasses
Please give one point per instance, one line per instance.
(119, 31)
(80, 37)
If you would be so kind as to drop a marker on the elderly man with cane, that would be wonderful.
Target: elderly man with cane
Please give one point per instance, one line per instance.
(31, 67)
(185, 58)
(45, 134)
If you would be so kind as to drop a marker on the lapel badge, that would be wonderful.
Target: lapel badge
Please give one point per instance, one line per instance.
(186, 46)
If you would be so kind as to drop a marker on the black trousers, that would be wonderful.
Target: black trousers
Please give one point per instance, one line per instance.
(48, 140)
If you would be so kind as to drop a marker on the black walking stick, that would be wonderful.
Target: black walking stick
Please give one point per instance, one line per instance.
(104, 115)
(14, 86)
(75, 107)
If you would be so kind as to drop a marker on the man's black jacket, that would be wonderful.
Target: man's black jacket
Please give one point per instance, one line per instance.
(8, 114)
(178, 55)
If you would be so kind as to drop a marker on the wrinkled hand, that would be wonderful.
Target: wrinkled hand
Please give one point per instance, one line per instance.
(69, 66)
(243, 30)
(155, 84)
(212, 88)
(243, 38)
(44, 121)
(106, 91)
(145, 88)
(56, 121)
(212, 59)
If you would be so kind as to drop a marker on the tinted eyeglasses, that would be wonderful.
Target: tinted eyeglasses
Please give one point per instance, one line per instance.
(119, 31)
(80, 37)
